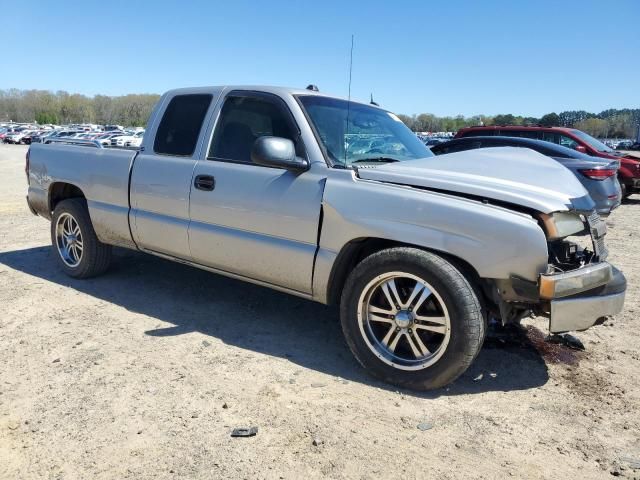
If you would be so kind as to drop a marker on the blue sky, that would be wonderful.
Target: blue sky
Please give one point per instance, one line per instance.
(447, 58)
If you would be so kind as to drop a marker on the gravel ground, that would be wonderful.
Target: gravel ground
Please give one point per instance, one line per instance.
(144, 372)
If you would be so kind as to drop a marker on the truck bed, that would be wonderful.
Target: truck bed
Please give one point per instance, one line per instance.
(101, 174)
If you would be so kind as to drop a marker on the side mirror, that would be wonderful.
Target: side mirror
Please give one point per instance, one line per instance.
(581, 149)
(277, 152)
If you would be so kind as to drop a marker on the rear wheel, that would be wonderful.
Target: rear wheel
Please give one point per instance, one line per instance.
(78, 251)
(411, 318)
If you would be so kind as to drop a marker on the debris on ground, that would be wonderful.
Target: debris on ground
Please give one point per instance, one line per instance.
(424, 426)
(567, 340)
(244, 432)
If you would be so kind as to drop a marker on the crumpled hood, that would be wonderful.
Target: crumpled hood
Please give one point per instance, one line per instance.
(515, 175)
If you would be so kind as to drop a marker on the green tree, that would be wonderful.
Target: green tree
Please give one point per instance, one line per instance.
(504, 119)
(550, 120)
(596, 127)
(44, 118)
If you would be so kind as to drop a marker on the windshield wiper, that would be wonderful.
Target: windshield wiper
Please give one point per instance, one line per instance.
(376, 160)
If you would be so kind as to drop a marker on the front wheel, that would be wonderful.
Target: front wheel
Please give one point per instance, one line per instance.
(411, 318)
(78, 251)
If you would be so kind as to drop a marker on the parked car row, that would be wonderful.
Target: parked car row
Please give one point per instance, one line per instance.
(627, 145)
(107, 137)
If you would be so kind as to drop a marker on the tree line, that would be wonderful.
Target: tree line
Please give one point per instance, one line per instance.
(61, 108)
(611, 123)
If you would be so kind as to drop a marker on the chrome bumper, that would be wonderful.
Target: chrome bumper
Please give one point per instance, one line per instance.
(581, 311)
(557, 285)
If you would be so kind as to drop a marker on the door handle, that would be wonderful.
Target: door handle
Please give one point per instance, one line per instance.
(204, 182)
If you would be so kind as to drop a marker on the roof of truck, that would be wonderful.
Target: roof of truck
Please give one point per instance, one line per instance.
(259, 88)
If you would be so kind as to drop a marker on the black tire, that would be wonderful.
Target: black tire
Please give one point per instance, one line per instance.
(467, 325)
(623, 189)
(96, 256)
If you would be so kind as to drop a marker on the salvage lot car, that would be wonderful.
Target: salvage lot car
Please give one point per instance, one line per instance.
(255, 183)
(598, 177)
(628, 173)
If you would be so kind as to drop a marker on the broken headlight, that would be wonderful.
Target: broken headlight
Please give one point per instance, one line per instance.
(562, 224)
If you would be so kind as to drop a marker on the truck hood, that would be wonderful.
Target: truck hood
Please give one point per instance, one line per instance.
(517, 176)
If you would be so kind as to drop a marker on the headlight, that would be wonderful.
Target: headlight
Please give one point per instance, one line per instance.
(562, 224)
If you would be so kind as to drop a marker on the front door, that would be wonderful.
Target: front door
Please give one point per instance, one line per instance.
(258, 222)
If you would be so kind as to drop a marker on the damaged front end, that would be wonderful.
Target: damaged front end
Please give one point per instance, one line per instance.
(579, 288)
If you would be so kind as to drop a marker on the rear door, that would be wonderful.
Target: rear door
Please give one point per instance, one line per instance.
(255, 221)
(161, 177)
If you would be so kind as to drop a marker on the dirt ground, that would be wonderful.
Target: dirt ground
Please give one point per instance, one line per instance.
(144, 372)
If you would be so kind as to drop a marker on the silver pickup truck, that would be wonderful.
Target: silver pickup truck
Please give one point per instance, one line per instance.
(339, 202)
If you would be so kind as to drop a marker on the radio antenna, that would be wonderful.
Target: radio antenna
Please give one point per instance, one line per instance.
(350, 66)
(349, 98)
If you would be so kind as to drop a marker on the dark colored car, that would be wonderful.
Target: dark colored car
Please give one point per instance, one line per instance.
(598, 176)
(628, 173)
(434, 141)
(40, 137)
(28, 138)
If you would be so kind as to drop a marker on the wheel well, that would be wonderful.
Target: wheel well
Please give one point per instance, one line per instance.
(357, 250)
(61, 191)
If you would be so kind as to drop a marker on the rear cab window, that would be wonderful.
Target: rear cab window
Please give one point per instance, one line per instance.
(181, 123)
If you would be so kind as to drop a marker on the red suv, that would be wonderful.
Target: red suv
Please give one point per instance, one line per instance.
(628, 174)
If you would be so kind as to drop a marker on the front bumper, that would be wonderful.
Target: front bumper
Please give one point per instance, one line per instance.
(579, 311)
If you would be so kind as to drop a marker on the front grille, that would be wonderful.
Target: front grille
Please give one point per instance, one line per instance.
(598, 230)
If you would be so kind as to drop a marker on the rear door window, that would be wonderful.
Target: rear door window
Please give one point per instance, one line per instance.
(559, 139)
(550, 137)
(520, 133)
(568, 142)
(180, 125)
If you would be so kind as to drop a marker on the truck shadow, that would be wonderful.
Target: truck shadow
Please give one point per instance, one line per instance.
(259, 319)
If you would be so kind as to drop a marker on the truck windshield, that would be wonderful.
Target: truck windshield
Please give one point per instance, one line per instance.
(356, 133)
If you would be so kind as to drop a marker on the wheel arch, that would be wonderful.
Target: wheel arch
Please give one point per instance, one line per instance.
(59, 191)
(358, 249)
